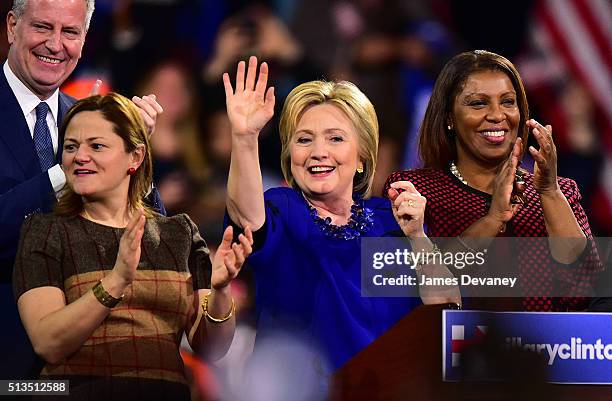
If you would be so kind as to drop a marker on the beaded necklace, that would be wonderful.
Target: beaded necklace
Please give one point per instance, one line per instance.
(517, 197)
(456, 173)
(520, 199)
(360, 222)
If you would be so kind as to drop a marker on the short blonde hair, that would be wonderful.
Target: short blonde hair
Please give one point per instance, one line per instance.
(129, 125)
(357, 108)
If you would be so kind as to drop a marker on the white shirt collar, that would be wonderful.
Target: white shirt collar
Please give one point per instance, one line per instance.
(26, 99)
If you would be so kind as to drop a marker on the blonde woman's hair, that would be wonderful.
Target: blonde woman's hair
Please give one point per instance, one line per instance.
(355, 105)
(129, 125)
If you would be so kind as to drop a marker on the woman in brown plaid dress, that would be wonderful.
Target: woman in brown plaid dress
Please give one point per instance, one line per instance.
(106, 287)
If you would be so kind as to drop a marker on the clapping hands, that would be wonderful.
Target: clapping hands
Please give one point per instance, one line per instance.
(230, 257)
(149, 109)
(502, 209)
(147, 105)
(545, 166)
(129, 249)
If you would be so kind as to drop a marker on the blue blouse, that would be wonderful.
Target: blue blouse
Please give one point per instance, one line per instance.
(309, 284)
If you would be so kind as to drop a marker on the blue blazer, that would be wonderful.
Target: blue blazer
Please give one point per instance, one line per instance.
(24, 189)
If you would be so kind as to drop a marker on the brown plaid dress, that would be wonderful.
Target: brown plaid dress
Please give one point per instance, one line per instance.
(134, 354)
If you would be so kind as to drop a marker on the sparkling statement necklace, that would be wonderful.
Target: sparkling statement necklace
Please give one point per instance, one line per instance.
(360, 222)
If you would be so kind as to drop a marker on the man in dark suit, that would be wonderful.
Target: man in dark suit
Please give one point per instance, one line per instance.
(46, 38)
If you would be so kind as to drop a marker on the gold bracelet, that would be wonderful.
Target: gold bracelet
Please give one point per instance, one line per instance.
(104, 297)
(214, 319)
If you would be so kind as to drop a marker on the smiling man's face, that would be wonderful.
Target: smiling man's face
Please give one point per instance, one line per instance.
(46, 43)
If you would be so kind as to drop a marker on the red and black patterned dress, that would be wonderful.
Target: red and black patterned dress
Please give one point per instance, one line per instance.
(453, 206)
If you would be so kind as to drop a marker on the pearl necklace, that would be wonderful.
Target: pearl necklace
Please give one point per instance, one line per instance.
(456, 173)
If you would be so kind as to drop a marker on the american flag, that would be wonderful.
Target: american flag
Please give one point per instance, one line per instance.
(567, 71)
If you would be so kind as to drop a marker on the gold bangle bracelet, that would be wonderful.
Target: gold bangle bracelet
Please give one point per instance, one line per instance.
(104, 297)
(214, 319)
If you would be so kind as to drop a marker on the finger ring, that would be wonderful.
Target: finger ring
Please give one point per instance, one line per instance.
(410, 203)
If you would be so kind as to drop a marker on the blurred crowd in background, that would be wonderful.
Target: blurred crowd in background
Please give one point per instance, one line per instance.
(392, 49)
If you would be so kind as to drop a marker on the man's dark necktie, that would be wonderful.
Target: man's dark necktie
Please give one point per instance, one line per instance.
(42, 138)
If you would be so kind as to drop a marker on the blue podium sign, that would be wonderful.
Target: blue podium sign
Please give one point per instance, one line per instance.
(577, 347)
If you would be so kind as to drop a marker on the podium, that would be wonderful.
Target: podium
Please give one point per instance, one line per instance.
(405, 363)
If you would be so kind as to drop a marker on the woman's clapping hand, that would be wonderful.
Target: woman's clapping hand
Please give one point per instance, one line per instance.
(129, 249)
(501, 208)
(230, 257)
(545, 166)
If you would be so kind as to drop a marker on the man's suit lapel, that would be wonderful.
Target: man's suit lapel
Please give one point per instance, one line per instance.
(14, 131)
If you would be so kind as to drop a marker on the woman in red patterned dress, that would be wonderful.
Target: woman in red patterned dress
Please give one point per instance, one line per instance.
(470, 142)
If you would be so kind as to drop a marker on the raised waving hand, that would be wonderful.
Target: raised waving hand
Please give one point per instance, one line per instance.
(249, 106)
